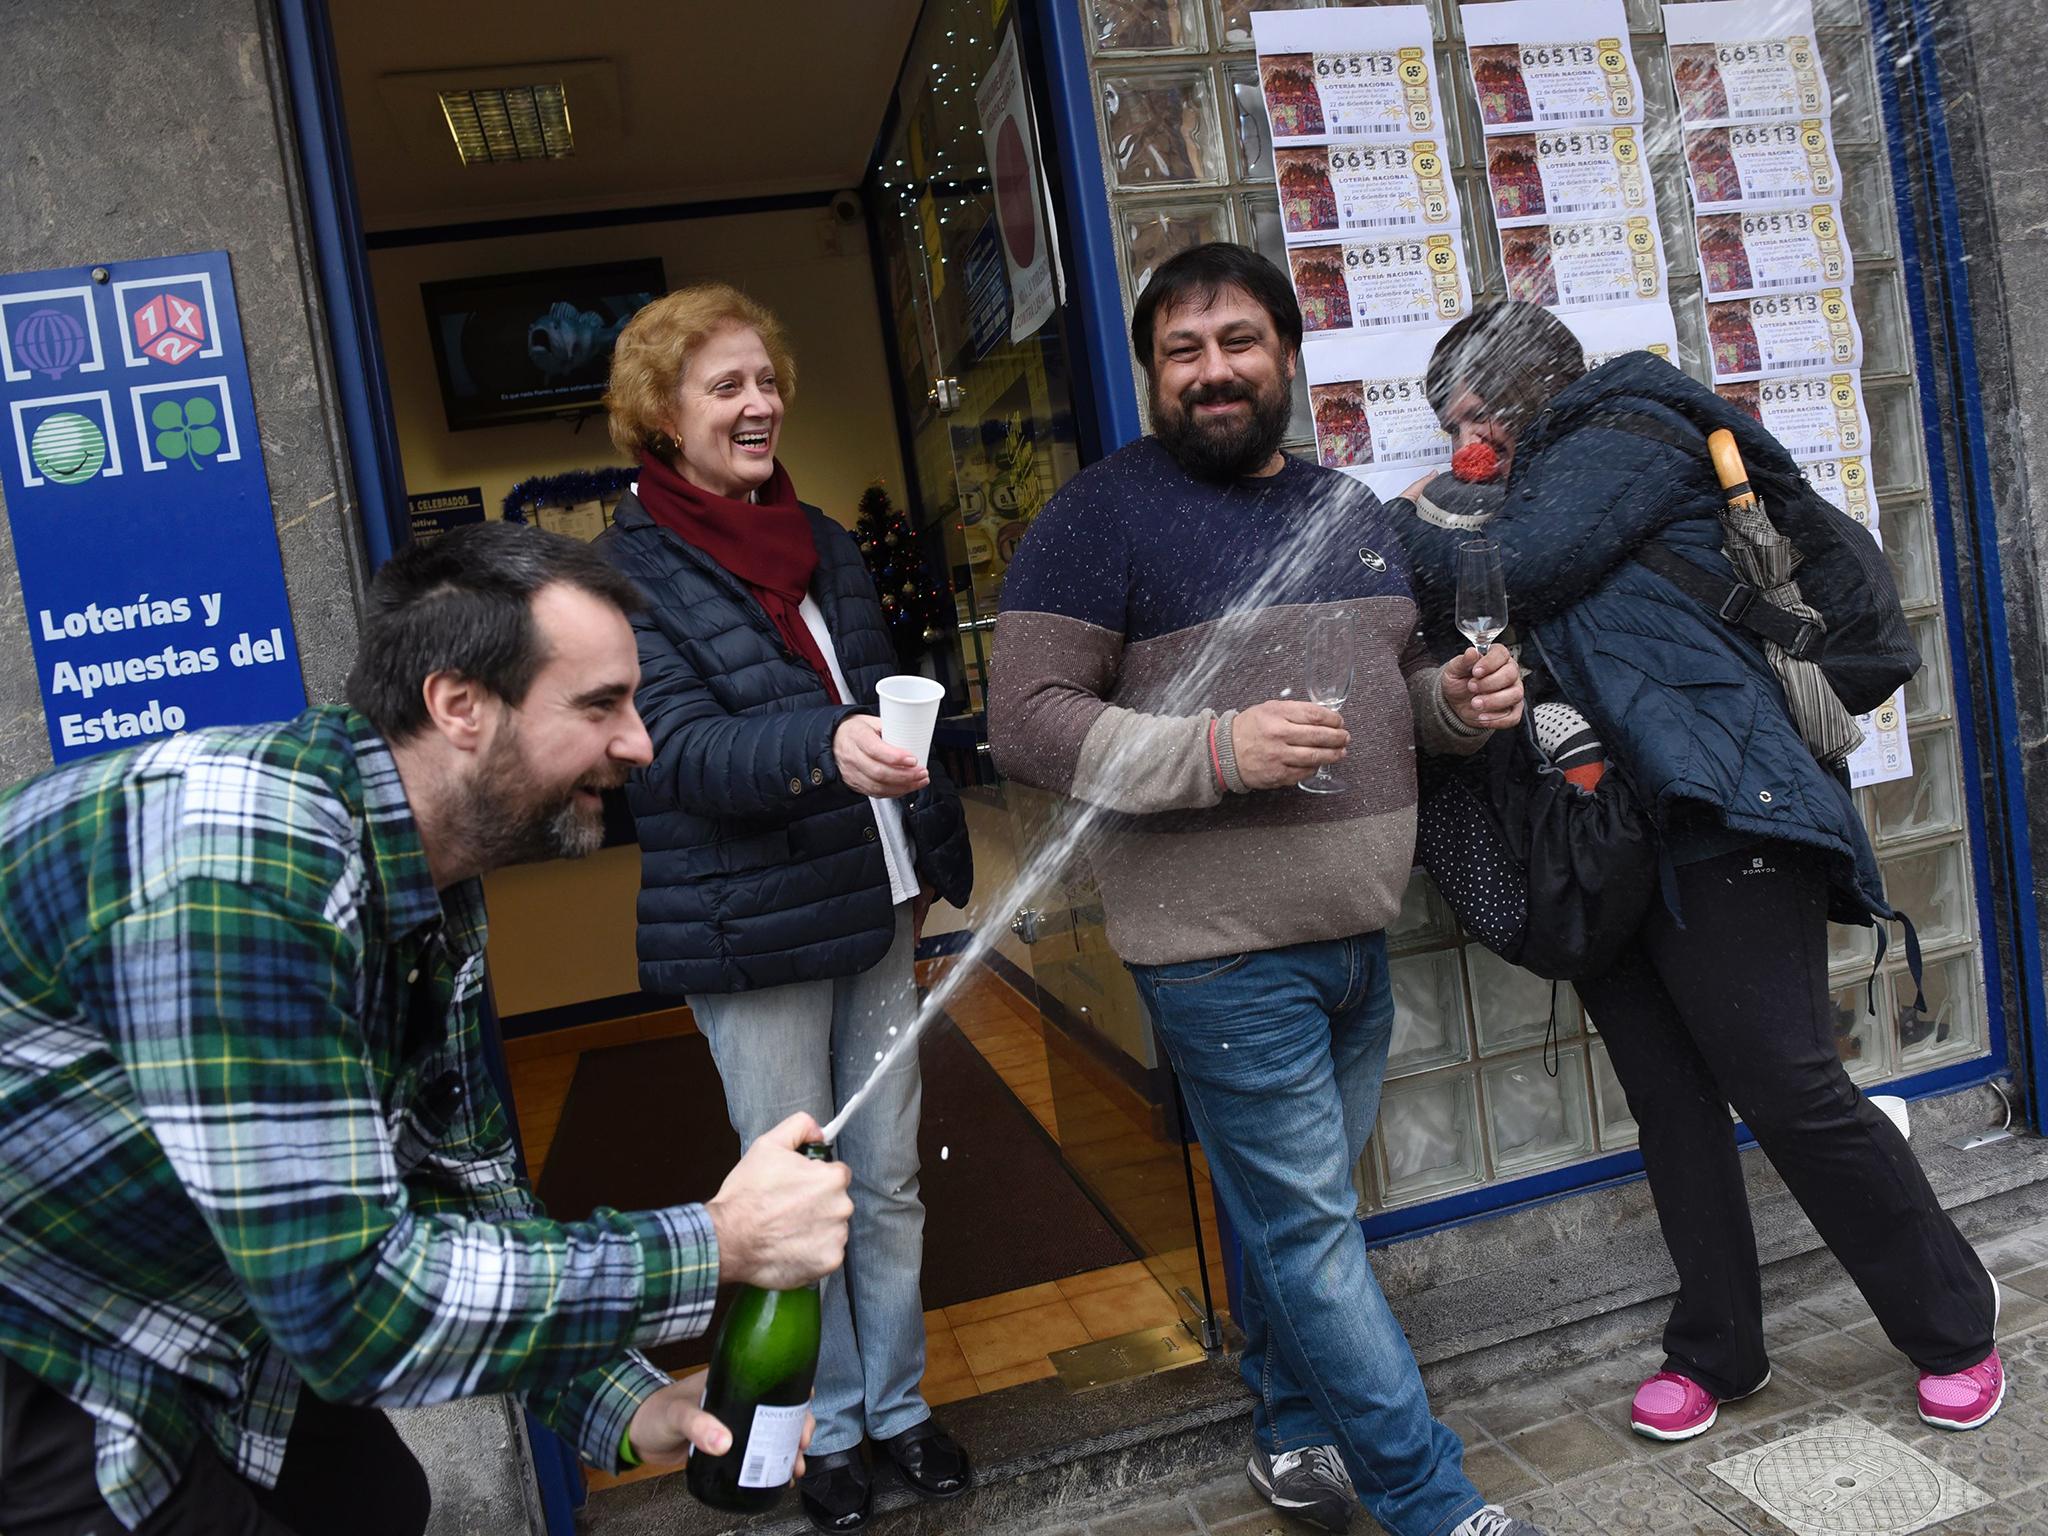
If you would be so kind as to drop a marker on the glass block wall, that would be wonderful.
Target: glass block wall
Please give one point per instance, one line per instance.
(1471, 1095)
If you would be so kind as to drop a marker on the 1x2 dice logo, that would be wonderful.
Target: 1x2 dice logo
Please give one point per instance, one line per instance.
(168, 328)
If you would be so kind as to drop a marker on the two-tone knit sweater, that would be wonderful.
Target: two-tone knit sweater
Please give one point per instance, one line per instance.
(1142, 612)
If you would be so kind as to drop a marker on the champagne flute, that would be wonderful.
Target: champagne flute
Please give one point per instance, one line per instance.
(1331, 653)
(1482, 594)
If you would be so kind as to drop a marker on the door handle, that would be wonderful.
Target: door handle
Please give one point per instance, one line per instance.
(1031, 924)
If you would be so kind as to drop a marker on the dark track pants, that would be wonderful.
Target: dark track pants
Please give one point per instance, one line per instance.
(1735, 1008)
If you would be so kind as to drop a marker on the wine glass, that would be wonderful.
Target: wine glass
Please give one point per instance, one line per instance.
(1482, 594)
(1331, 652)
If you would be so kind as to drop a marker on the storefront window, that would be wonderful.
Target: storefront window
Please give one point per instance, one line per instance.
(989, 397)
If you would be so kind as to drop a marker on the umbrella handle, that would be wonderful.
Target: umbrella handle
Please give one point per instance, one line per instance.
(1729, 468)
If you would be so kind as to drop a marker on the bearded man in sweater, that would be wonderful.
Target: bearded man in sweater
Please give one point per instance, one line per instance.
(1149, 662)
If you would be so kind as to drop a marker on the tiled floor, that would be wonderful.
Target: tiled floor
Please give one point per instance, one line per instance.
(1104, 1131)
(1558, 1451)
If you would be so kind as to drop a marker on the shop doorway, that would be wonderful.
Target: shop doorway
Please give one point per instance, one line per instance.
(1063, 1207)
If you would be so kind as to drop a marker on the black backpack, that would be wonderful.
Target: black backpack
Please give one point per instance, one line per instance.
(1545, 875)
(1866, 651)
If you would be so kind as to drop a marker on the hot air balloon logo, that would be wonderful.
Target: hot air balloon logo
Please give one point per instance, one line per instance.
(50, 341)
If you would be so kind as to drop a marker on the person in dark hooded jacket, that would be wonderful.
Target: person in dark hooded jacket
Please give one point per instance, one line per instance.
(788, 853)
(1722, 997)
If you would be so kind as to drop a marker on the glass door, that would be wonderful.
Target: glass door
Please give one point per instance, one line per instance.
(992, 437)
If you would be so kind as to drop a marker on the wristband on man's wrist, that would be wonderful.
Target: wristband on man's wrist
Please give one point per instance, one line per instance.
(626, 1456)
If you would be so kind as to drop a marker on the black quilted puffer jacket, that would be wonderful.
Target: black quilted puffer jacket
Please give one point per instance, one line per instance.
(758, 866)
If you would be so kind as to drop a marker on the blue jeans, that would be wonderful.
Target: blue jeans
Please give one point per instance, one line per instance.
(809, 1045)
(1280, 1054)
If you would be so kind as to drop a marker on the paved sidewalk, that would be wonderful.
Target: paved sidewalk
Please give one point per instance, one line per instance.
(1559, 1451)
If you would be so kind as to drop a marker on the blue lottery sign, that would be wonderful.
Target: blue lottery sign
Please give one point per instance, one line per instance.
(141, 514)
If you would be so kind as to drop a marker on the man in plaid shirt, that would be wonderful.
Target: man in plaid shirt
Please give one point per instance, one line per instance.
(255, 1183)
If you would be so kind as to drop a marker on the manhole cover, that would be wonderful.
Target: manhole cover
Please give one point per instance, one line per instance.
(1848, 1478)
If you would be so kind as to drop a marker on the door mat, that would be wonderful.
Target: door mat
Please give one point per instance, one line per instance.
(644, 1126)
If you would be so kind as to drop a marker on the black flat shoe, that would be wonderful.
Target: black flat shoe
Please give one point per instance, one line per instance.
(837, 1491)
(930, 1460)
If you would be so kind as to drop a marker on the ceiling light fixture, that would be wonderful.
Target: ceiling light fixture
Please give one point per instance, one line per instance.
(509, 122)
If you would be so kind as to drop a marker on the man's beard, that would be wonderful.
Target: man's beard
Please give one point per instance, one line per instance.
(504, 820)
(1223, 449)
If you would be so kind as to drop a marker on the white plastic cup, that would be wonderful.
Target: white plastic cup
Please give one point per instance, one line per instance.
(910, 713)
(1894, 1109)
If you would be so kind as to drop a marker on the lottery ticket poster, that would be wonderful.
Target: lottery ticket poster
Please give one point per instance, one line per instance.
(1845, 483)
(1375, 282)
(1567, 173)
(1585, 263)
(1885, 752)
(1816, 416)
(1547, 63)
(1607, 333)
(1342, 188)
(1756, 251)
(1348, 76)
(1738, 165)
(1778, 333)
(1372, 414)
(1739, 61)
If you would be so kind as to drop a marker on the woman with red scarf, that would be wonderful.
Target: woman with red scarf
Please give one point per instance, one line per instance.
(787, 852)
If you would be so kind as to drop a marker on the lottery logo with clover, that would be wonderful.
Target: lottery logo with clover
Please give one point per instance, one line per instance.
(185, 429)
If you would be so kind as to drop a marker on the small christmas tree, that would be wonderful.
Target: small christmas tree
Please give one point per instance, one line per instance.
(918, 609)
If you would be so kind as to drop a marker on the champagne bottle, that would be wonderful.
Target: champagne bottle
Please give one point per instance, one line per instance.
(760, 1389)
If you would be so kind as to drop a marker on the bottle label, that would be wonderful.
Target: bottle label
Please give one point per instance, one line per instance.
(771, 1445)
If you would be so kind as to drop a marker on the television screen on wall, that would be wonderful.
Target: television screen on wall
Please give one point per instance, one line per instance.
(528, 344)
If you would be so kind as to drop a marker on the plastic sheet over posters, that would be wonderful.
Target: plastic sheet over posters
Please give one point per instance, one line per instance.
(1562, 110)
(1367, 204)
(1736, 61)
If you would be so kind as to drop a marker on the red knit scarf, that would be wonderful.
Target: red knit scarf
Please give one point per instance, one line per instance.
(766, 543)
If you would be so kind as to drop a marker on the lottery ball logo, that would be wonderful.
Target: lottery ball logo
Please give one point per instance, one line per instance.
(51, 341)
(68, 448)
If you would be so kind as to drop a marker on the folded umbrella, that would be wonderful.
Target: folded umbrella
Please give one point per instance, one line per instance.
(1768, 561)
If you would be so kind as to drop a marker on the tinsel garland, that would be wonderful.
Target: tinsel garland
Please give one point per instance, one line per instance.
(569, 489)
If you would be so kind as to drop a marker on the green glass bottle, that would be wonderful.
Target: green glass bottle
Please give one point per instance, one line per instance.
(760, 1388)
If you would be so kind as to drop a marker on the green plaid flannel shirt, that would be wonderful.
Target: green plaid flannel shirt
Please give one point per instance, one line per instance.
(247, 1141)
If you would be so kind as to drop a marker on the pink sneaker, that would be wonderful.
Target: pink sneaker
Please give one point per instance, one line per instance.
(1966, 1399)
(1673, 1407)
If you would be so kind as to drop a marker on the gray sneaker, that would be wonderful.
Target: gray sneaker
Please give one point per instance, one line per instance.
(1493, 1521)
(1310, 1484)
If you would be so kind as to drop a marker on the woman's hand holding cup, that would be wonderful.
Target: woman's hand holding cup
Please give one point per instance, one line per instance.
(869, 765)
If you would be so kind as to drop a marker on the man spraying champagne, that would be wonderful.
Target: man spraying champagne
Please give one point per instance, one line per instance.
(258, 1185)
